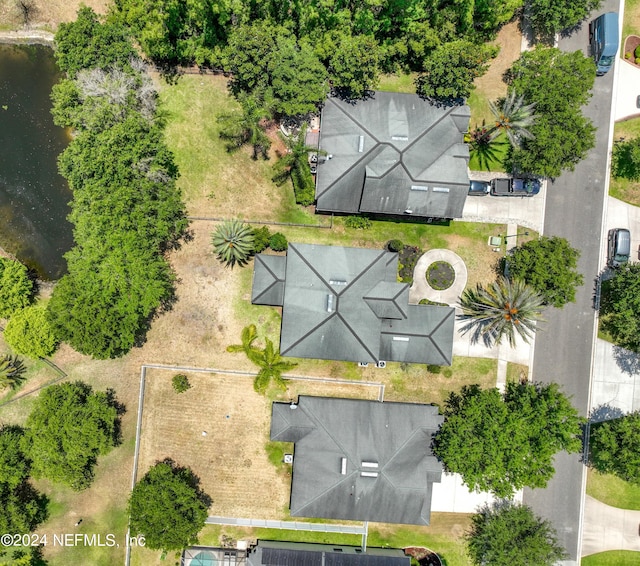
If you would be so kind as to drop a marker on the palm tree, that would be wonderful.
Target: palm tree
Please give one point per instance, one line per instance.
(294, 164)
(11, 372)
(513, 117)
(244, 127)
(504, 309)
(233, 242)
(269, 360)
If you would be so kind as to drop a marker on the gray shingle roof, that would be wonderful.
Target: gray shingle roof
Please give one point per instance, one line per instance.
(268, 280)
(360, 460)
(346, 304)
(382, 146)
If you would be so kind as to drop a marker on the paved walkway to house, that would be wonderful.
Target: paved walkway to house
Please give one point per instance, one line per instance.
(288, 525)
(420, 289)
(609, 528)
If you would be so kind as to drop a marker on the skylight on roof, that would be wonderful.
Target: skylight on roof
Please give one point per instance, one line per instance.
(421, 188)
(440, 190)
(400, 138)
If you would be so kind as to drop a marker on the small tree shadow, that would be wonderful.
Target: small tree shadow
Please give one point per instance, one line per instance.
(626, 360)
(604, 412)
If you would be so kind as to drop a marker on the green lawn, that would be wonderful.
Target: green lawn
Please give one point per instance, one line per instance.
(612, 558)
(613, 491)
(627, 191)
(492, 157)
(631, 22)
(215, 182)
(480, 113)
(398, 83)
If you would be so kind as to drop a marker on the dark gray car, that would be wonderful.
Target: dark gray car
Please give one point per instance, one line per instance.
(515, 187)
(479, 188)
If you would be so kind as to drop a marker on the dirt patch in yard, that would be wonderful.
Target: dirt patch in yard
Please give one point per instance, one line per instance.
(510, 41)
(230, 459)
(46, 14)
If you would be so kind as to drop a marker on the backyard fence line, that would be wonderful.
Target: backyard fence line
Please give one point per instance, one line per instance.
(267, 222)
(53, 366)
(284, 376)
(287, 525)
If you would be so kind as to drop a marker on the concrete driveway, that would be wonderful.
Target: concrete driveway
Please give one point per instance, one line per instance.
(627, 91)
(623, 215)
(616, 382)
(525, 211)
(609, 528)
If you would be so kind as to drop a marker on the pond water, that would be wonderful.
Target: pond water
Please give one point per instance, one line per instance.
(33, 196)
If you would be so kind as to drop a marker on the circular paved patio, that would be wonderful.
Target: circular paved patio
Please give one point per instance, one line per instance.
(422, 290)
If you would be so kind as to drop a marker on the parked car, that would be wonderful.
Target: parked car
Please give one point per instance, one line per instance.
(515, 187)
(604, 41)
(619, 248)
(479, 188)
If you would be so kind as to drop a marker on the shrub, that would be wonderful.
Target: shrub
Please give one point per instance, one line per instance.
(637, 60)
(628, 55)
(278, 242)
(233, 242)
(431, 368)
(408, 258)
(636, 52)
(357, 222)
(448, 373)
(16, 289)
(395, 245)
(180, 383)
(29, 333)
(261, 238)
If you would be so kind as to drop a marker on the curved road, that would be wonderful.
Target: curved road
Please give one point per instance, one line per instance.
(564, 349)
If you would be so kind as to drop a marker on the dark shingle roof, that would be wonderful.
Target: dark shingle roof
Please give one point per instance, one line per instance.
(383, 146)
(384, 450)
(272, 553)
(268, 280)
(346, 304)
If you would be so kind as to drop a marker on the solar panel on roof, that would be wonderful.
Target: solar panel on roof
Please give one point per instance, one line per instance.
(290, 557)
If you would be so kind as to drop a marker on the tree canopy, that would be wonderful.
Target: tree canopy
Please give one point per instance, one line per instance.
(509, 534)
(30, 333)
(168, 507)
(127, 211)
(22, 508)
(68, 428)
(625, 160)
(16, 288)
(549, 266)
(615, 447)
(515, 435)
(558, 83)
(87, 42)
(450, 70)
(620, 306)
(549, 17)
(508, 308)
(286, 49)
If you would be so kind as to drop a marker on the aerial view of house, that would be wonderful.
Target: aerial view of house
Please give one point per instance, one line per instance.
(249, 317)
(346, 304)
(393, 154)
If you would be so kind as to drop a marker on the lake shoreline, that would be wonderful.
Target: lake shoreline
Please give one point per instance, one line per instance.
(29, 37)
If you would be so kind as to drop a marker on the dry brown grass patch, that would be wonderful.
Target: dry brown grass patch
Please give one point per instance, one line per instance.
(47, 14)
(230, 460)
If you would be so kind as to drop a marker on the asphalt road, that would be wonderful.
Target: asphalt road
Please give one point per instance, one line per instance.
(564, 348)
